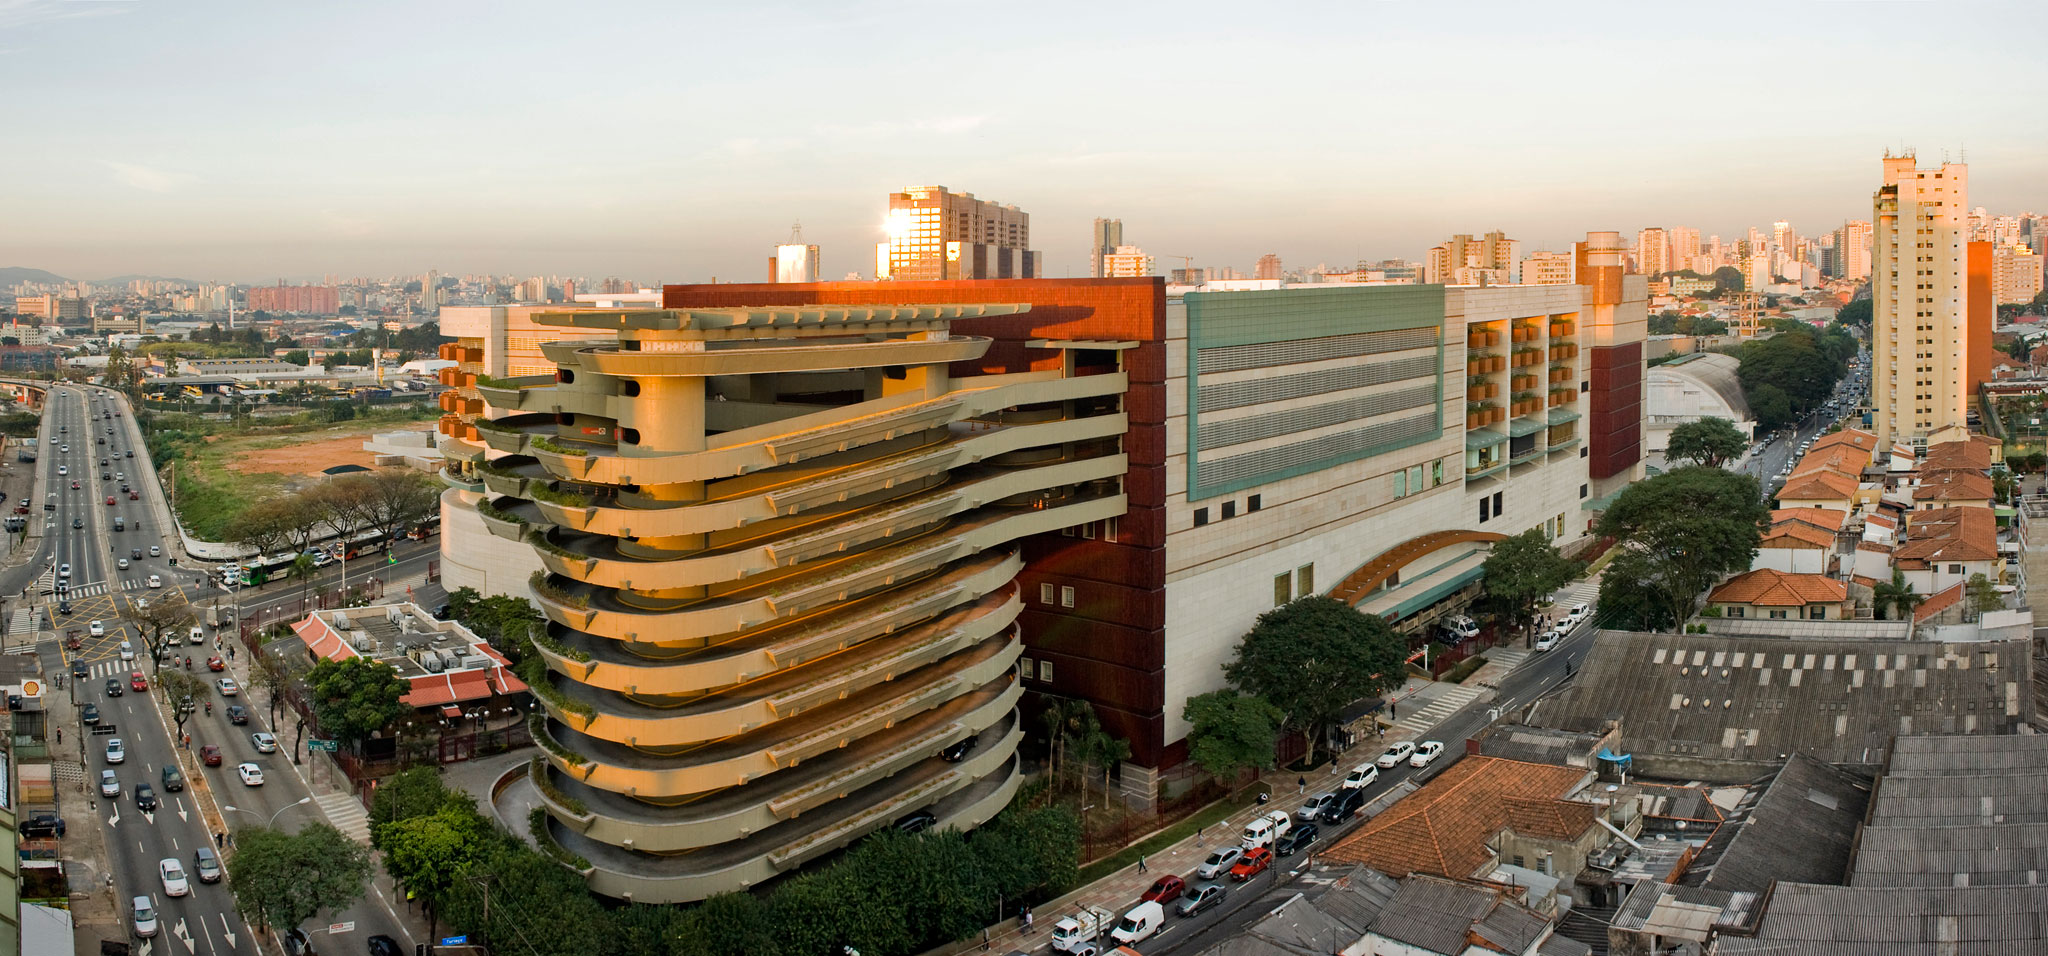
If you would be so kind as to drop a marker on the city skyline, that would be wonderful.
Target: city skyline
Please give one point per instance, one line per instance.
(407, 153)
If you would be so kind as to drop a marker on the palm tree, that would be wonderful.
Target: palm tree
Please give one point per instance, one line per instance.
(1065, 720)
(1895, 594)
(302, 568)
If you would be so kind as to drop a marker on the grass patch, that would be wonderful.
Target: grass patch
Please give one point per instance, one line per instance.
(1465, 668)
(1208, 816)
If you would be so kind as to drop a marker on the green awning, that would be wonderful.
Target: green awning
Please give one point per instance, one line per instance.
(1526, 426)
(1483, 438)
(1435, 592)
(1559, 416)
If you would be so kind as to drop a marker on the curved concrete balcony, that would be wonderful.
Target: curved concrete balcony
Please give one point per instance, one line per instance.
(509, 434)
(564, 352)
(454, 480)
(654, 360)
(770, 494)
(957, 800)
(512, 475)
(837, 430)
(737, 761)
(506, 392)
(594, 559)
(554, 397)
(596, 610)
(457, 449)
(511, 518)
(969, 601)
(650, 721)
(739, 813)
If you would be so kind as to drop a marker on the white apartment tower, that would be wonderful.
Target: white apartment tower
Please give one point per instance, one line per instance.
(1653, 251)
(1920, 299)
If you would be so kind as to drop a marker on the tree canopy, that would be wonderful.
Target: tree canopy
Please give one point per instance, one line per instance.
(1522, 571)
(1801, 364)
(1312, 657)
(1230, 732)
(1711, 441)
(280, 880)
(354, 698)
(1687, 529)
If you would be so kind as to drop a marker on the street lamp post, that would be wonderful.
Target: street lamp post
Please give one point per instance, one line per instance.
(302, 801)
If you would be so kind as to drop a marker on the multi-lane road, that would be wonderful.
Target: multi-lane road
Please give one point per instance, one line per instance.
(79, 533)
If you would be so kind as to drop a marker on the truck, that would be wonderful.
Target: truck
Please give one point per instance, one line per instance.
(1071, 932)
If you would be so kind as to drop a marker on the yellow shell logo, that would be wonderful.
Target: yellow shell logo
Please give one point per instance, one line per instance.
(31, 688)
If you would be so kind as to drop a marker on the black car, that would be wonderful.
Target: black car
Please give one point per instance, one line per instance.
(1296, 839)
(89, 714)
(917, 822)
(381, 945)
(79, 669)
(1349, 801)
(78, 522)
(958, 752)
(64, 607)
(114, 688)
(237, 714)
(145, 798)
(43, 825)
(135, 553)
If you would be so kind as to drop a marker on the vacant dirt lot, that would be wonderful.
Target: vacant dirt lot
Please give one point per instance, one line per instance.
(308, 454)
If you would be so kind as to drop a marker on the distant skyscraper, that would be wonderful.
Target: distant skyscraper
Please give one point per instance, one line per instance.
(1463, 261)
(1109, 234)
(1685, 248)
(1548, 268)
(430, 292)
(1852, 249)
(1124, 262)
(2015, 274)
(1653, 251)
(1920, 308)
(1268, 267)
(794, 261)
(936, 234)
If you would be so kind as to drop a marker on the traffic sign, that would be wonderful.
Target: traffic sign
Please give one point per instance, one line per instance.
(333, 928)
(315, 743)
(454, 940)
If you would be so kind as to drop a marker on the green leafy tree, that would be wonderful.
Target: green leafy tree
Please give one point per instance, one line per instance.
(1708, 325)
(1630, 595)
(428, 854)
(355, 698)
(298, 357)
(1983, 594)
(1771, 406)
(281, 880)
(1711, 441)
(1522, 571)
(1691, 527)
(1312, 657)
(417, 792)
(1727, 279)
(1856, 313)
(1230, 732)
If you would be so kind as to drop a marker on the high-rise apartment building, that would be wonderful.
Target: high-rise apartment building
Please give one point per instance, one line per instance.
(936, 234)
(1125, 262)
(1653, 251)
(795, 260)
(430, 292)
(1919, 334)
(1685, 249)
(1463, 261)
(2015, 273)
(1852, 249)
(55, 308)
(1548, 268)
(300, 299)
(1108, 235)
(1268, 267)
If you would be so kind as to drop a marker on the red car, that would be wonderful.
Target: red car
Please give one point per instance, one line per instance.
(1165, 890)
(137, 681)
(110, 501)
(1252, 863)
(132, 496)
(74, 485)
(216, 664)
(210, 755)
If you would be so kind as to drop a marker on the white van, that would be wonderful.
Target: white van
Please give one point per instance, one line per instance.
(197, 635)
(1140, 923)
(1266, 829)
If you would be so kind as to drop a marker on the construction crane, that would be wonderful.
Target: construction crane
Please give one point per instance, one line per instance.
(1187, 263)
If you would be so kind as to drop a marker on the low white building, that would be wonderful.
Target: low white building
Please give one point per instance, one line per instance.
(1689, 388)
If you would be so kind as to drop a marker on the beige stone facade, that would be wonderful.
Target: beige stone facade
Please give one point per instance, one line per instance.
(1919, 361)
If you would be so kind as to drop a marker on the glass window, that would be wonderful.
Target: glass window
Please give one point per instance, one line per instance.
(1305, 580)
(1283, 588)
(1436, 473)
(1400, 484)
(1045, 594)
(1045, 671)
(1415, 478)
(1229, 510)
(1024, 668)
(1201, 517)
(1066, 597)
(1251, 504)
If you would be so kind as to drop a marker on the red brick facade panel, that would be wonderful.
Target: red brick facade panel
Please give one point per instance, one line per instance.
(1614, 434)
(1145, 488)
(1052, 557)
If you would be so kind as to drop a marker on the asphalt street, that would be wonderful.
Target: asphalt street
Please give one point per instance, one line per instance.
(204, 920)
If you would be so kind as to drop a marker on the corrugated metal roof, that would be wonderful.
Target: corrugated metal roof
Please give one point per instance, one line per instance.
(1798, 829)
(1806, 920)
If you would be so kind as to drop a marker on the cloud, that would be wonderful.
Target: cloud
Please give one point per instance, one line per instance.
(145, 178)
(21, 13)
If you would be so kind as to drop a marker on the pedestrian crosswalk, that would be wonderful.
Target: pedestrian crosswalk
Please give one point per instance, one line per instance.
(23, 621)
(1450, 700)
(1508, 658)
(347, 815)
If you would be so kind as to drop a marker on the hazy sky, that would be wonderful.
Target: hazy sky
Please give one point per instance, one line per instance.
(678, 140)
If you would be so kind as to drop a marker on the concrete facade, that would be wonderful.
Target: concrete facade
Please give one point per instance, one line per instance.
(1920, 309)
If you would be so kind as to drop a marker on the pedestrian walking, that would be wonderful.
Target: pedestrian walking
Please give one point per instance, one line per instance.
(60, 735)
(1301, 785)
(217, 838)
(1141, 863)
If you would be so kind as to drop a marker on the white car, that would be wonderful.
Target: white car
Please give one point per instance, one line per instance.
(127, 649)
(1577, 613)
(252, 775)
(155, 581)
(98, 629)
(1361, 776)
(265, 743)
(145, 917)
(116, 751)
(1395, 754)
(173, 874)
(63, 470)
(1426, 754)
(227, 687)
(110, 785)
(121, 564)
(1219, 863)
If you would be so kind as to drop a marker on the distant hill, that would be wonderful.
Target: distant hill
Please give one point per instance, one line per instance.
(12, 275)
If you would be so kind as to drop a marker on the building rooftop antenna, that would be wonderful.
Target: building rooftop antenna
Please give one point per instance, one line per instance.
(796, 233)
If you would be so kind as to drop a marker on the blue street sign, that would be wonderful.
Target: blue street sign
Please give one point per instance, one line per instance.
(454, 940)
